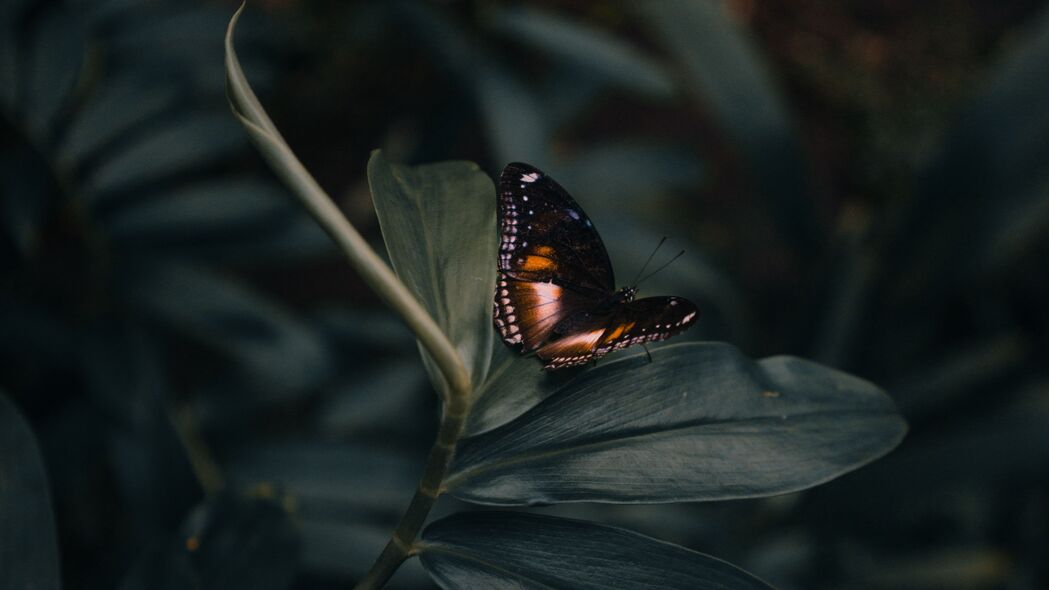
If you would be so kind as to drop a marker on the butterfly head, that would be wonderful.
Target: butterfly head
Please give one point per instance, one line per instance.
(625, 295)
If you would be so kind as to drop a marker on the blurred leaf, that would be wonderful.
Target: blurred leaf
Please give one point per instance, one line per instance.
(12, 21)
(239, 219)
(55, 58)
(377, 396)
(25, 197)
(192, 140)
(517, 126)
(225, 543)
(700, 422)
(1017, 226)
(585, 47)
(28, 548)
(193, 47)
(33, 336)
(521, 550)
(347, 498)
(118, 105)
(631, 170)
(721, 301)
(153, 474)
(983, 199)
(513, 115)
(566, 93)
(328, 481)
(979, 452)
(364, 330)
(438, 222)
(295, 238)
(731, 79)
(337, 550)
(210, 210)
(277, 353)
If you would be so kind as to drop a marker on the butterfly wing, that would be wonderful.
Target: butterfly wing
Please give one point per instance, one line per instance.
(546, 236)
(584, 337)
(527, 311)
(552, 262)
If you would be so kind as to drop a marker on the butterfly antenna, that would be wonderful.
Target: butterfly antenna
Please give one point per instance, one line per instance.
(650, 256)
(646, 277)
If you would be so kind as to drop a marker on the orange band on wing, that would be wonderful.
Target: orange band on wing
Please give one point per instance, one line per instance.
(618, 331)
(537, 264)
(576, 345)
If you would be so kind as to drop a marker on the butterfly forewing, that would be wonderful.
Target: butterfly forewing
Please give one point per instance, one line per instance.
(546, 236)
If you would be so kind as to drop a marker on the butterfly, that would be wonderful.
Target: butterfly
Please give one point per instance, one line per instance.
(555, 295)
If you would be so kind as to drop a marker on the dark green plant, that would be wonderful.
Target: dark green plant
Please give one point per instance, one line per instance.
(700, 422)
(126, 197)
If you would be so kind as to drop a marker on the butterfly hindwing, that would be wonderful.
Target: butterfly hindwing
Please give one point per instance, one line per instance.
(625, 324)
(526, 312)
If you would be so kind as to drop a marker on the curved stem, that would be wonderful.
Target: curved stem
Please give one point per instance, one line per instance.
(381, 278)
(399, 548)
(372, 268)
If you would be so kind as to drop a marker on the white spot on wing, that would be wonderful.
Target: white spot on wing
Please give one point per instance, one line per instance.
(530, 177)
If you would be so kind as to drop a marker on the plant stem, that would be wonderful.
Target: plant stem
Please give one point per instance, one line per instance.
(399, 548)
(382, 280)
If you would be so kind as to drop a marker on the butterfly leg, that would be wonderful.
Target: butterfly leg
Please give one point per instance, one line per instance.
(647, 352)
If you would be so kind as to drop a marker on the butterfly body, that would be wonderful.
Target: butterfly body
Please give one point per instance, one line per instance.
(555, 294)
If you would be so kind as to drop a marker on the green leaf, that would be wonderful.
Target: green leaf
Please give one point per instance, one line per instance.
(514, 385)
(28, 549)
(520, 550)
(587, 47)
(700, 422)
(438, 222)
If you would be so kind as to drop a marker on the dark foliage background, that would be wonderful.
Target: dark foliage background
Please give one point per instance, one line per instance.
(862, 183)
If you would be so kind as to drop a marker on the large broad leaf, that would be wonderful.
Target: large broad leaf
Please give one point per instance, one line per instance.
(700, 422)
(438, 221)
(28, 550)
(519, 550)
